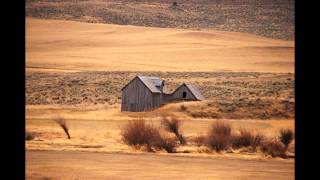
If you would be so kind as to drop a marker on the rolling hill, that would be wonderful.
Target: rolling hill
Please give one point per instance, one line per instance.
(269, 18)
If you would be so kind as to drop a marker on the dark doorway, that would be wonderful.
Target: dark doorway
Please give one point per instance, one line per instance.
(184, 95)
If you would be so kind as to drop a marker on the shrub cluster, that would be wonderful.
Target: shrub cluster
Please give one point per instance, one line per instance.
(219, 137)
(274, 148)
(137, 133)
(247, 139)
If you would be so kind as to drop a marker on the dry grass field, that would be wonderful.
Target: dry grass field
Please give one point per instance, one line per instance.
(99, 152)
(76, 70)
(65, 165)
(78, 46)
(98, 128)
(269, 18)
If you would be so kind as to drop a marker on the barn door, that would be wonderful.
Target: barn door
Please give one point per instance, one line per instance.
(184, 95)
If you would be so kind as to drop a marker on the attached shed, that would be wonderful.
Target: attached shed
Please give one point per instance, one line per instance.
(187, 92)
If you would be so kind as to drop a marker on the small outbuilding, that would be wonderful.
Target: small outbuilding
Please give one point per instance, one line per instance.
(187, 92)
(145, 93)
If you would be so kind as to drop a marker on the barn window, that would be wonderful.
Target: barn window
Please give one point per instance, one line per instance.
(184, 94)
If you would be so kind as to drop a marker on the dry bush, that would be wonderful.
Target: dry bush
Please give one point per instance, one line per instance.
(167, 143)
(183, 108)
(274, 148)
(220, 127)
(257, 140)
(246, 138)
(219, 136)
(173, 125)
(138, 133)
(29, 135)
(63, 124)
(200, 140)
(286, 137)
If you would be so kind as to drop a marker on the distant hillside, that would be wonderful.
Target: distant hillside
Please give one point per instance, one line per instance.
(269, 18)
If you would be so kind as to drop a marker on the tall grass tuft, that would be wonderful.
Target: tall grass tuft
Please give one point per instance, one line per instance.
(63, 124)
(219, 136)
(166, 143)
(286, 137)
(173, 125)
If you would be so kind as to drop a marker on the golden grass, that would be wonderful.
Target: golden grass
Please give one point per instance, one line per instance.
(75, 46)
(98, 129)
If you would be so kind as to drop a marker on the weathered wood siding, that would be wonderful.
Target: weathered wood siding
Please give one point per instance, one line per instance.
(166, 98)
(178, 94)
(137, 97)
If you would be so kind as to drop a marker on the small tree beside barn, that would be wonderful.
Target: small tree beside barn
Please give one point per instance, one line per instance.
(146, 93)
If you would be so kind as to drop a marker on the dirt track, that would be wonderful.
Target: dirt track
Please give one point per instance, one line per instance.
(89, 165)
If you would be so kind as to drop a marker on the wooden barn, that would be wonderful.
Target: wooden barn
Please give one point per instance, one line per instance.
(144, 93)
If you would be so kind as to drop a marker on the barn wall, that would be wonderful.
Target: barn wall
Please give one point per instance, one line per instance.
(177, 95)
(166, 98)
(137, 97)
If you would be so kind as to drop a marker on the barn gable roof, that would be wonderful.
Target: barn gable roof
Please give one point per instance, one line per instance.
(152, 83)
(193, 89)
